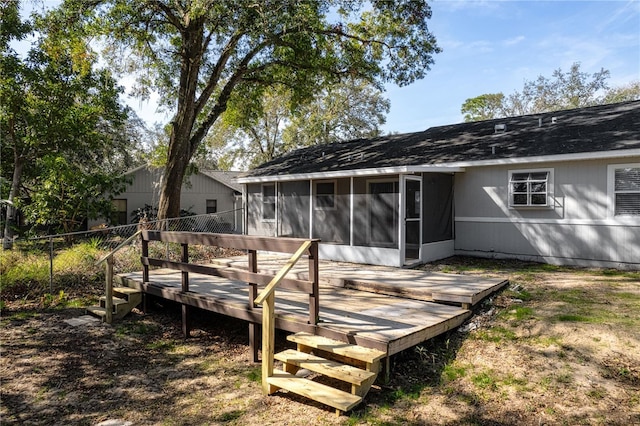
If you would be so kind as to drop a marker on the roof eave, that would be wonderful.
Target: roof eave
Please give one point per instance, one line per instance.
(600, 155)
(353, 173)
(453, 167)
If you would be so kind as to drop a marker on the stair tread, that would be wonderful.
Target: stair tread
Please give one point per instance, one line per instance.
(337, 347)
(116, 300)
(327, 395)
(333, 369)
(126, 290)
(97, 310)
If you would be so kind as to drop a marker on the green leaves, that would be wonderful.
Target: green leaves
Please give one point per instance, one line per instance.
(564, 90)
(249, 136)
(66, 193)
(63, 130)
(202, 56)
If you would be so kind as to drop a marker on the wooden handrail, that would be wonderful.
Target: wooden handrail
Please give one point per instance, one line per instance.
(118, 248)
(296, 246)
(108, 289)
(240, 242)
(266, 298)
(271, 287)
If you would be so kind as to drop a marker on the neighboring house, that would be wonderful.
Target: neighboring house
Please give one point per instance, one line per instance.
(208, 191)
(560, 187)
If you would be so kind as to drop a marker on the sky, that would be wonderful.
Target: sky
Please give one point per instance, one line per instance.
(492, 46)
(495, 46)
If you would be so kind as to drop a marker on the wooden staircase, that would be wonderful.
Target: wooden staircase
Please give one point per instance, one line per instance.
(124, 300)
(355, 365)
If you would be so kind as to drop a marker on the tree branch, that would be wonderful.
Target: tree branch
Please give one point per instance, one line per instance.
(217, 71)
(173, 19)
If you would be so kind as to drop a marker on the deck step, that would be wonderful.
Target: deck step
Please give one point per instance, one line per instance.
(116, 301)
(333, 369)
(124, 300)
(337, 347)
(97, 311)
(338, 399)
(126, 291)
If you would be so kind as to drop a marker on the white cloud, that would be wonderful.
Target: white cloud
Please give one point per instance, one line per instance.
(513, 41)
(630, 10)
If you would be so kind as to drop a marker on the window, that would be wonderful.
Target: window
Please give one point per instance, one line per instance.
(119, 216)
(212, 206)
(530, 188)
(325, 195)
(626, 189)
(269, 202)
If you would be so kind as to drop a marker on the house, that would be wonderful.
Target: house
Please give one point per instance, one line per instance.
(560, 187)
(207, 191)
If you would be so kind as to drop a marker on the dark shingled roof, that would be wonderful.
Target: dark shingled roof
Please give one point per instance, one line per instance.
(586, 130)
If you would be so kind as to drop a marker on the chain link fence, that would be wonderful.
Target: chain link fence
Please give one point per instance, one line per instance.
(67, 261)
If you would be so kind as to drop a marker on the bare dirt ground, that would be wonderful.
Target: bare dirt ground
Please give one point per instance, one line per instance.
(558, 346)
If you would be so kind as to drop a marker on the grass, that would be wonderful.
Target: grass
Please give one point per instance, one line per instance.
(515, 361)
(518, 313)
(452, 372)
(485, 380)
(496, 335)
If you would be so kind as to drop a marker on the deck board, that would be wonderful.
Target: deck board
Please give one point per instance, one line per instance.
(408, 283)
(376, 320)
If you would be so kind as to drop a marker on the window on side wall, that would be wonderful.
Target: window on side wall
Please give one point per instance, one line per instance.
(269, 202)
(212, 206)
(624, 187)
(530, 188)
(325, 195)
(120, 215)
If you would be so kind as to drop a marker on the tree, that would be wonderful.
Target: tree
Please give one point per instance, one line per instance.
(54, 105)
(564, 90)
(249, 137)
(350, 110)
(624, 93)
(483, 107)
(66, 193)
(200, 54)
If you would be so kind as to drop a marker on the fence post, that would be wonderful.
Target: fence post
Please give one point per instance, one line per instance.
(51, 265)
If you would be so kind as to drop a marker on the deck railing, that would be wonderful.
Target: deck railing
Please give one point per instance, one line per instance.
(267, 299)
(251, 275)
(108, 289)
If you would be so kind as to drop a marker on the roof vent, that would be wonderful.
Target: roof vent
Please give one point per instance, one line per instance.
(500, 128)
(554, 120)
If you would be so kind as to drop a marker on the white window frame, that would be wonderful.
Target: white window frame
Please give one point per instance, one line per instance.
(275, 202)
(334, 195)
(611, 190)
(529, 205)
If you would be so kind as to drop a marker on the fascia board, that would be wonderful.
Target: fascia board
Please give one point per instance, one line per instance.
(601, 155)
(353, 173)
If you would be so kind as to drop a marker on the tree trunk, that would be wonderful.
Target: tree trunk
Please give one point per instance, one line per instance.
(7, 242)
(180, 144)
(171, 187)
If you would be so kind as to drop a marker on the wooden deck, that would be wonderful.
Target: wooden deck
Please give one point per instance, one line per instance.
(407, 283)
(388, 309)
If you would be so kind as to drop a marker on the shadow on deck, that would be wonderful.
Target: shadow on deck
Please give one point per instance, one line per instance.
(388, 309)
